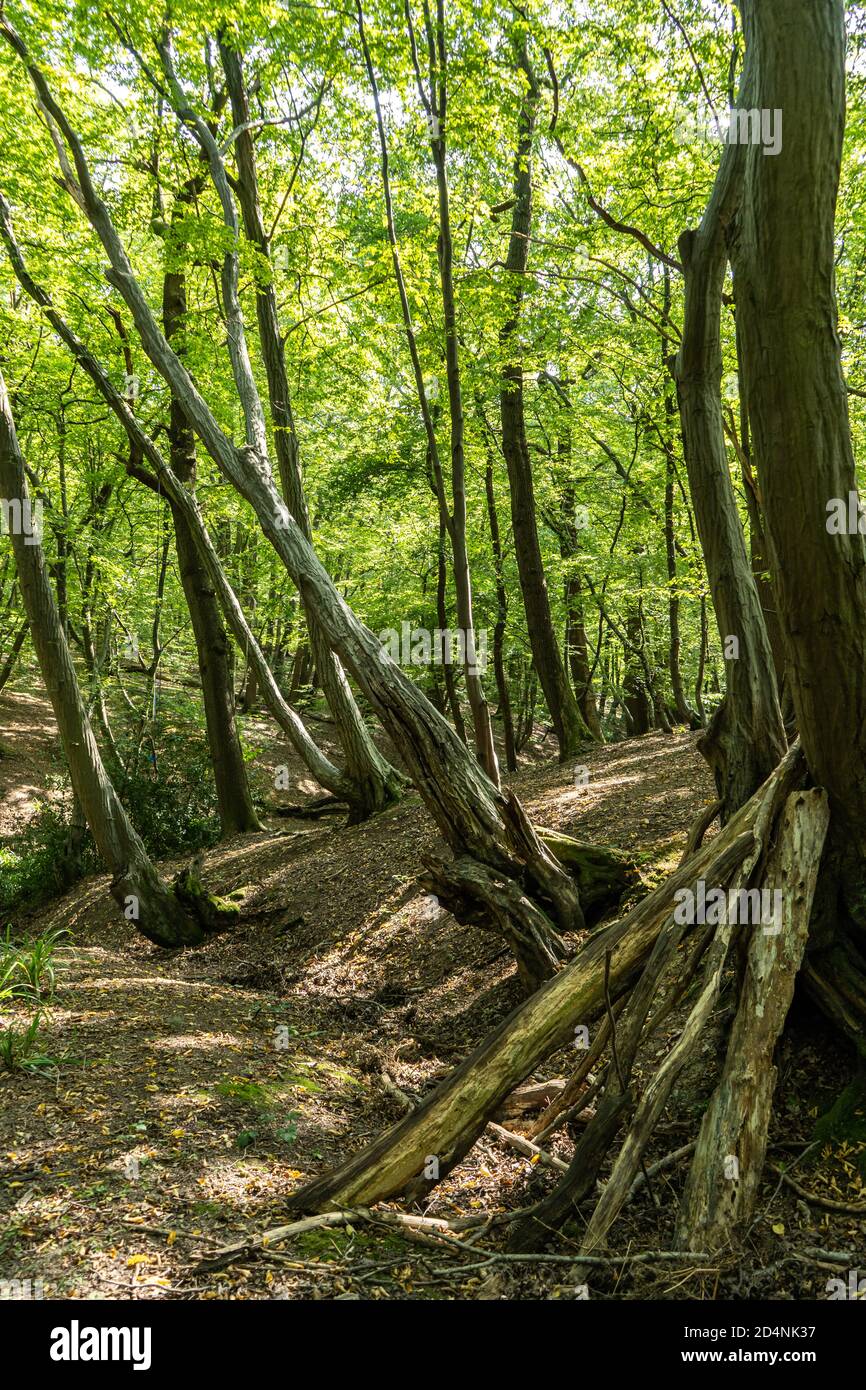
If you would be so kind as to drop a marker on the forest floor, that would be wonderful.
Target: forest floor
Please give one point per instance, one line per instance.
(187, 1094)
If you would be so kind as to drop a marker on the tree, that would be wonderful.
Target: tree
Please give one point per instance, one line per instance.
(499, 862)
(166, 916)
(568, 724)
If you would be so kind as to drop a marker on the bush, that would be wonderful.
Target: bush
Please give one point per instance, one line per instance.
(39, 866)
(173, 807)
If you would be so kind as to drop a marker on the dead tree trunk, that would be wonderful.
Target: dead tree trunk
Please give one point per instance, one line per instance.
(727, 1166)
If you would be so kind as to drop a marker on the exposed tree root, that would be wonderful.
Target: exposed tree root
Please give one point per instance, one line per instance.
(533, 902)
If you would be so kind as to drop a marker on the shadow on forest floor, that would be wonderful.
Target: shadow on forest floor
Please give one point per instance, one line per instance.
(192, 1091)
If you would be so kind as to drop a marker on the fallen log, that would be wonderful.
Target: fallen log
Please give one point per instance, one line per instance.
(450, 1119)
(726, 1171)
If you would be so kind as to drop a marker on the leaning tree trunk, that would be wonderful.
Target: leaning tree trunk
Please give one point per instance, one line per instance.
(136, 886)
(746, 737)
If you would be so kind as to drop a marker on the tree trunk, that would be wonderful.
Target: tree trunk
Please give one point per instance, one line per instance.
(377, 783)
(136, 886)
(720, 1194)
(783, 259)
(683, 714)
(746, 737)
(783, 255)
(568, 724)
(234, 799)
(17, 643)
(502, 690)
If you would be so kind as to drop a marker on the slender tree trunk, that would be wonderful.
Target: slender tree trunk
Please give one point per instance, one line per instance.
(746, 738)
(568, 724)
(216, 668)
(637, 698)
(136, 885)
(434, 99)
(502, 690)
(378, 784)
(683, 714)
(14, 651)
(451, 691)
(576, 642)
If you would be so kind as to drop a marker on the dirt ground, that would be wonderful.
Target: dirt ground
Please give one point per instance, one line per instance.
(189, 1093)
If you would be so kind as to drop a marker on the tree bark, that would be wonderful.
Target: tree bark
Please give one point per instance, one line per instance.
(234, 798)
(136, 885)
(569, 726)
(377, 783)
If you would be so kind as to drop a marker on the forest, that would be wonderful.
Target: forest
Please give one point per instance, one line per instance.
(432, 650)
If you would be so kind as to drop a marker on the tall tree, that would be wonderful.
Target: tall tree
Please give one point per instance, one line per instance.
(376, 783)
(137, 887)
(565, 715)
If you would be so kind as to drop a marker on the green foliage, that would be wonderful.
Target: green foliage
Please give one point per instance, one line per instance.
(18, 1047)
(173, 807)
(28, 968)
(38, 866)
